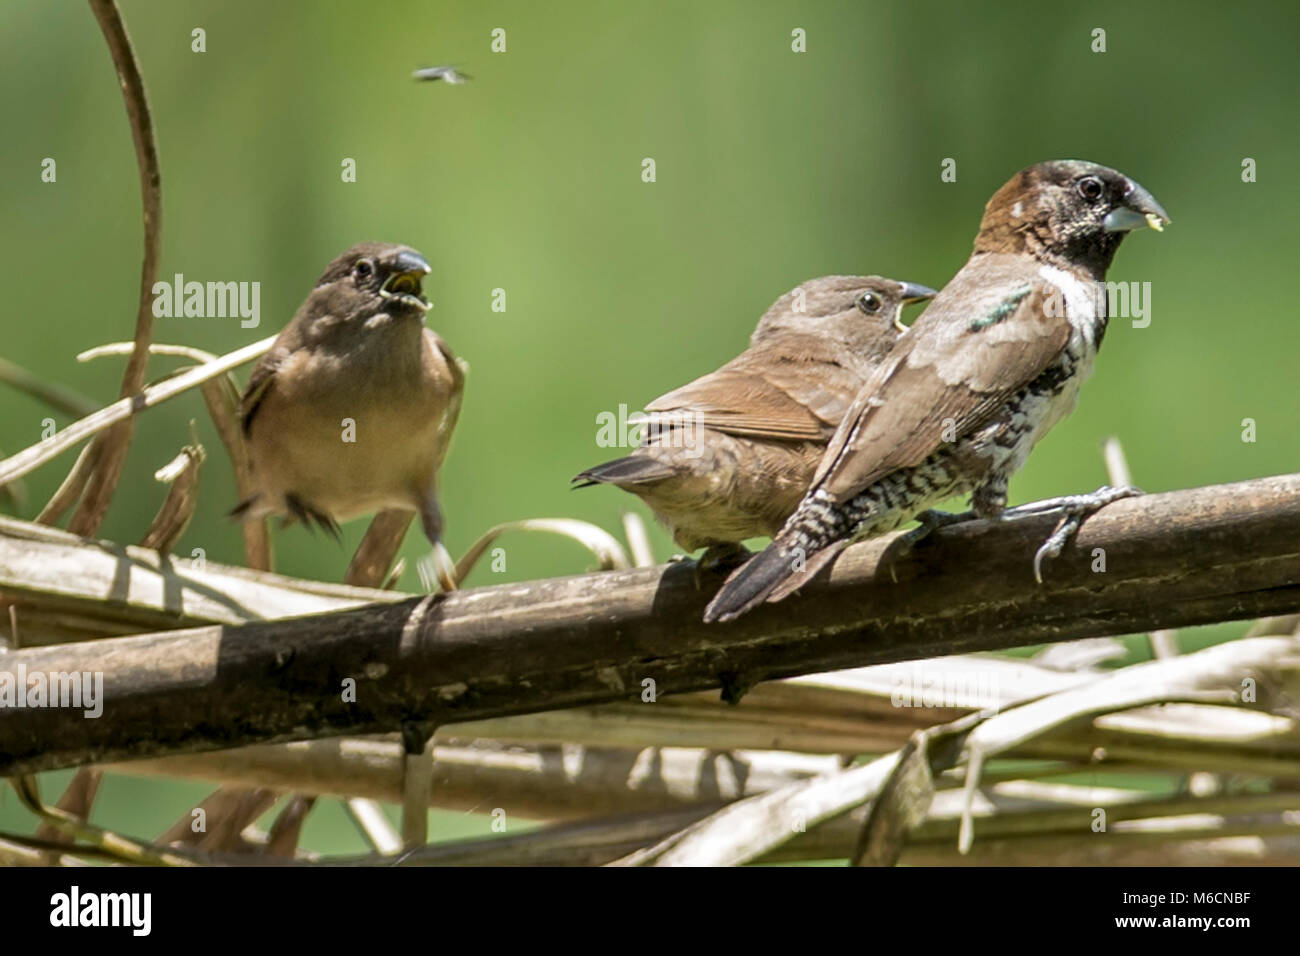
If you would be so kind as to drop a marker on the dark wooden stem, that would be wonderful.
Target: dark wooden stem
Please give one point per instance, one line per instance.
(1171, 560)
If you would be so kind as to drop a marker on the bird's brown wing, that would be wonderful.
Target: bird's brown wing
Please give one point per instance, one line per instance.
(291, 338)
(258, 383)
(945, 377)
(740, 403)
(817, 382)
(457, 370)
(790, 390)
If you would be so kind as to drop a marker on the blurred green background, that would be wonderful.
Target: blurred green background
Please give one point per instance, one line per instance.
(772, 167)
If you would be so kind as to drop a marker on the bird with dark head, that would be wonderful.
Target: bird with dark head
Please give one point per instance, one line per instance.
(352, 409)
(996, 360)
(729, 456)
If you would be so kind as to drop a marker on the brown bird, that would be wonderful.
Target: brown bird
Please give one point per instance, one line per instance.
(994, 363)
(352, 409)
(730, 455)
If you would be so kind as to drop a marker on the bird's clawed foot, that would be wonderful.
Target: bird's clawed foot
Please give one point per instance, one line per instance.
(720, 560)
(930, 521)
(1074, 509)
(437, 567)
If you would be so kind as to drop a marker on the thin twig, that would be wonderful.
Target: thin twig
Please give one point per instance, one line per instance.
(124, 848)
(36, 455)
(16, 494)
(374, 556)
(221, 395)
(89, 514)
(59, 397)
(638, 542)
(78, 799)
(417, 793)
(282, 841)
(603, 545)
(173, 517)
(69, 492)
(370, 819)
(1164, 642)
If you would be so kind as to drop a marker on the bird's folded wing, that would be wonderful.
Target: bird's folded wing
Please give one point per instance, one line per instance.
(288, 342)
(456, 370)
(740, 402)
(258, 384)
(819, 384)
(942, 380)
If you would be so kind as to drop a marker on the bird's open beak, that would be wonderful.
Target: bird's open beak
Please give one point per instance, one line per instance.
(406, 272)
(914, 292)
(1140, 209)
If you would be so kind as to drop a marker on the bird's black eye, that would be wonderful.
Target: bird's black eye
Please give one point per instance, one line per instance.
(363, 269)
(1091, 188)
(869, 303)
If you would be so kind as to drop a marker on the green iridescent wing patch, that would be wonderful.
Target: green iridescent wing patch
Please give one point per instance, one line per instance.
(1003, 309)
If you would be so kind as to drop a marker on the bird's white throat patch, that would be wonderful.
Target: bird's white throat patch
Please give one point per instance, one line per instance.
(1078, 296)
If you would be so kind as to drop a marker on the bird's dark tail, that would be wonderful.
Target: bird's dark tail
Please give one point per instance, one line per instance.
(312, 518)
(750, 584)
(810, 540)
(771, 575)
(632, 470)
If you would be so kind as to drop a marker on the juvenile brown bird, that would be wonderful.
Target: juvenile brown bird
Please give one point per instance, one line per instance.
(730, 455)
(994, 362)
(352, 409)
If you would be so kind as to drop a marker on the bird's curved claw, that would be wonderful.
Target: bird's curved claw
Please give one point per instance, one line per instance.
(437, 567)
(1075, 508)
(929, 520)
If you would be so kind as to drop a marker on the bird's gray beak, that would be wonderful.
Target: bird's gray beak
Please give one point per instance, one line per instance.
(410, 262)
(1140, 209)
(914, 292)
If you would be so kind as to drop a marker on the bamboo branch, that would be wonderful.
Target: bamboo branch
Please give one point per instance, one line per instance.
(623, 779)
(69, 588)
(1189, 557)
(1034, 833)
(752, 827)
(529, 782)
